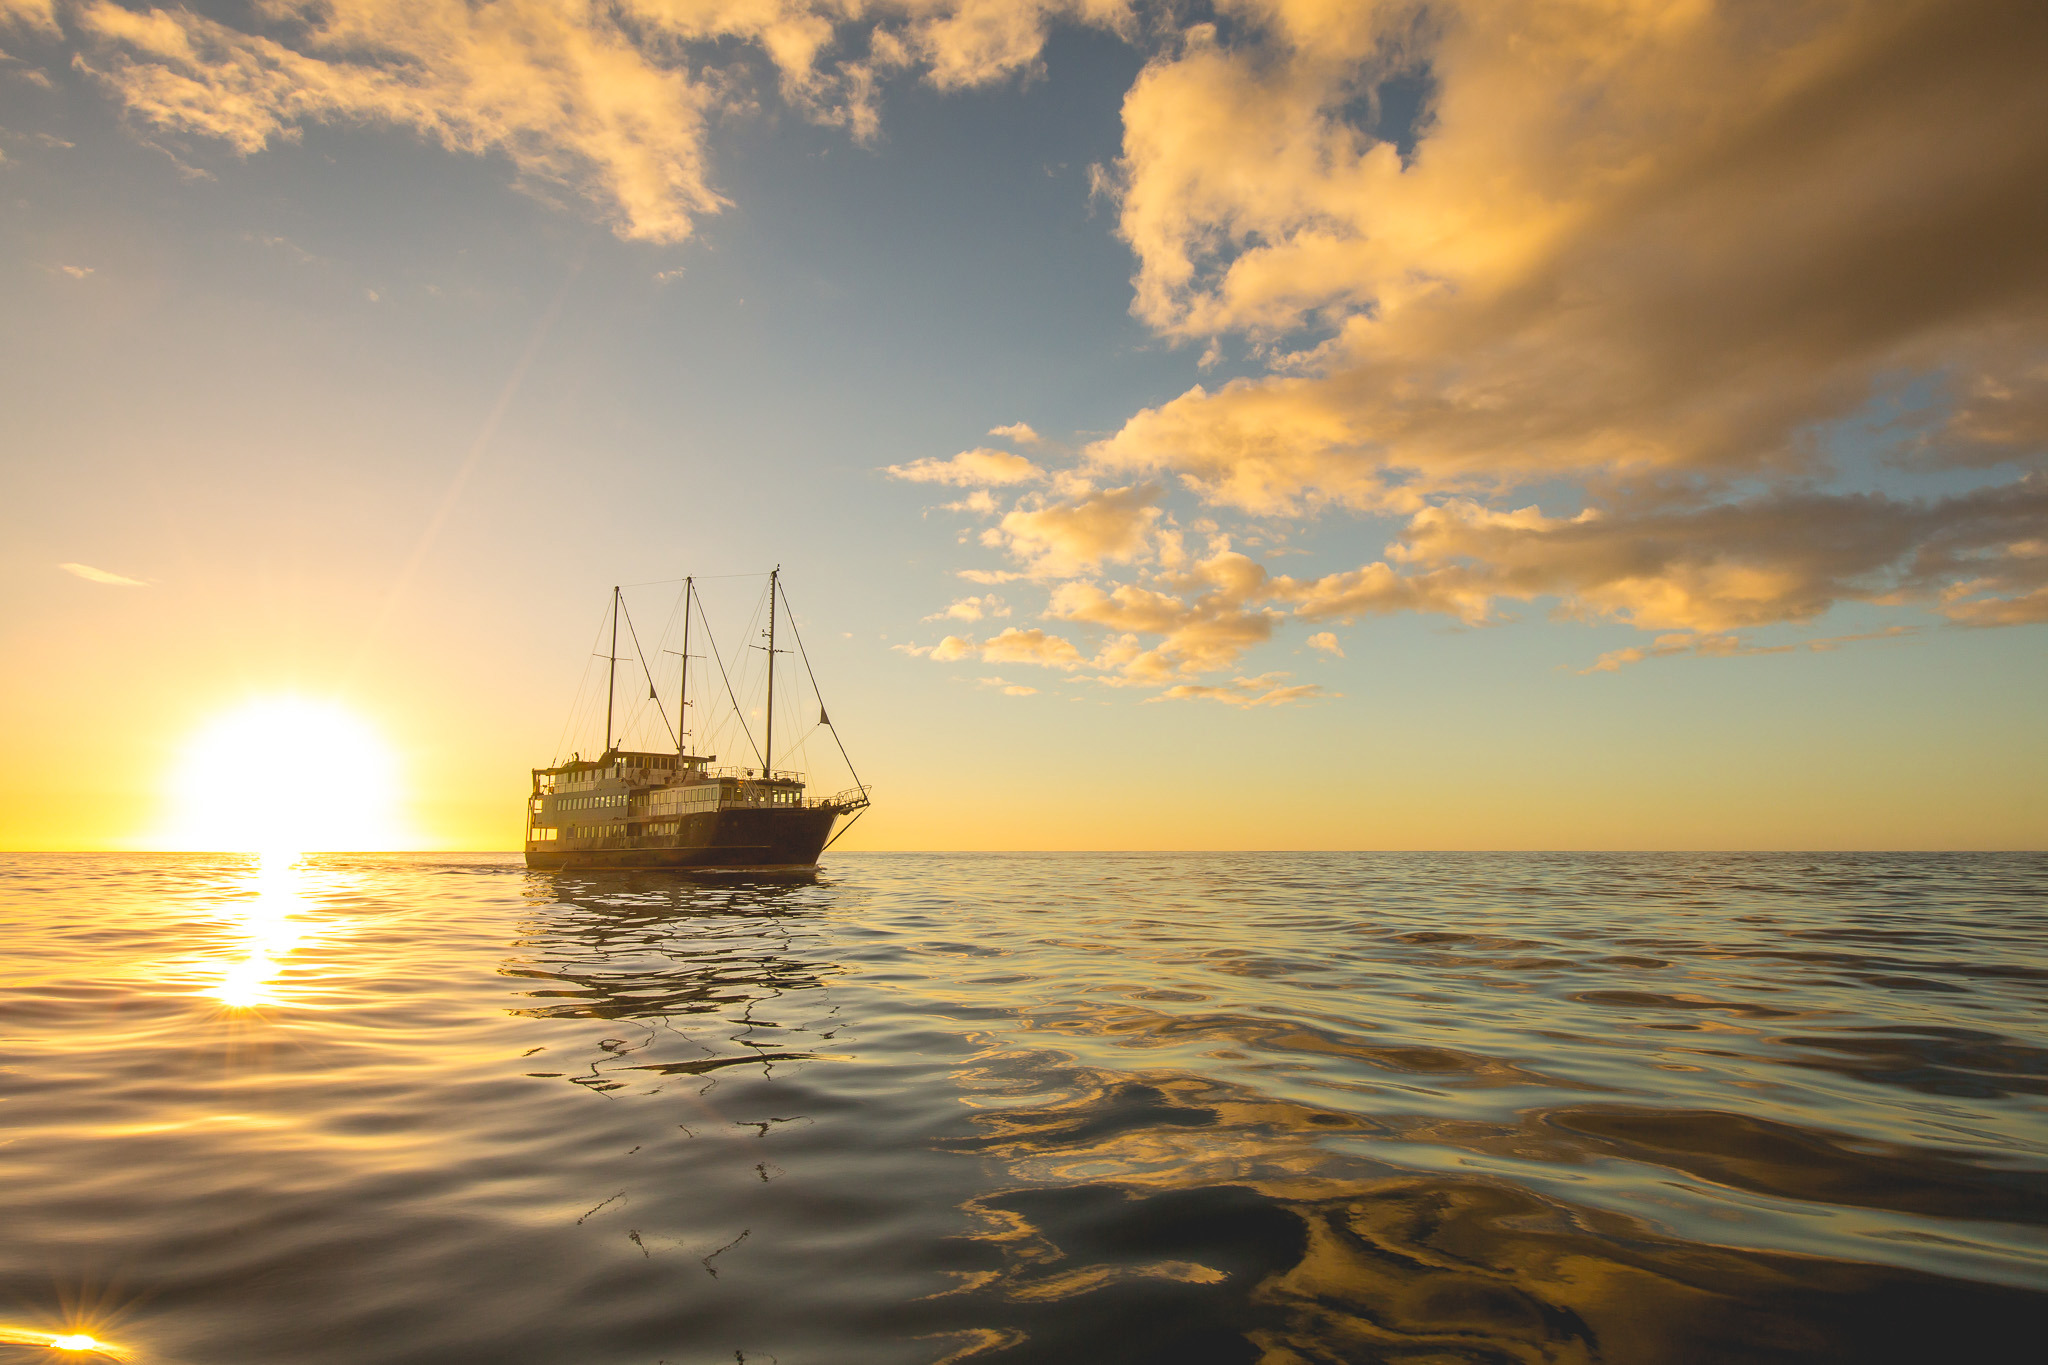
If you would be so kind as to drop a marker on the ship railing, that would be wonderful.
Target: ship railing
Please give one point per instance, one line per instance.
(853, 798)
(754, 774)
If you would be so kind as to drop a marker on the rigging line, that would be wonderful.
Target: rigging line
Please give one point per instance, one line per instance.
(848, 825)
(652, 695)
(713, 638)
(801, 654)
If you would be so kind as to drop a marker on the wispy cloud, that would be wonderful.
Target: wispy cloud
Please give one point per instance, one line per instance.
(92, 575)
(980, 467)
(1264, 690)
(1726, 646)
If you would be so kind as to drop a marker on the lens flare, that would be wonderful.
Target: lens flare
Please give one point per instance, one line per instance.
(77, 1342)
(282, 776)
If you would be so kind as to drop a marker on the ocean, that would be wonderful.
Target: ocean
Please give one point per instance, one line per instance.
(1183, 1108)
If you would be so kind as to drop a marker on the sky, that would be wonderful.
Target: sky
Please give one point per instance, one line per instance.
(1260, 424)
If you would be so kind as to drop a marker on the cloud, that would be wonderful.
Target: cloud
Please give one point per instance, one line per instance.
(1725, 646)
(1326, 642)
(1032, 646)
(972, 609)
(610, 102)
(569, 98)
(980, 466)
(1740, 224)
(1206, 619)
(1061, 537)
(980, 502)
(76, 272)
(1759, 561)
(1010, 689)
(1020, 432)
(1264, 690)
(36, 14)
(92, 575)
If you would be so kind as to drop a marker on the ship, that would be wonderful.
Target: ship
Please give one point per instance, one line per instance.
(662, 810)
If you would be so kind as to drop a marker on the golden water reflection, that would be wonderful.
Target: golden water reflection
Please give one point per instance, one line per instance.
(271, 925)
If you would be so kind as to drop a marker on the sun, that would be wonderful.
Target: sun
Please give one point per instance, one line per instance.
(286, 775)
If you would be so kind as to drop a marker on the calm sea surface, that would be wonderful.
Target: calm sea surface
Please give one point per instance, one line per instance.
(1027, 1108)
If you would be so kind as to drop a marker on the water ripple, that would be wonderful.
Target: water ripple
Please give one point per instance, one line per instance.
(1279, 1108)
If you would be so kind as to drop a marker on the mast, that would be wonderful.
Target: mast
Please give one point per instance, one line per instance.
(683, 692)
(768, 749)
(611, 671)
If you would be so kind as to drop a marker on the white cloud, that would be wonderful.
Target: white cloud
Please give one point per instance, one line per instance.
(1020, 432)
(92, 575)
(1326, 642)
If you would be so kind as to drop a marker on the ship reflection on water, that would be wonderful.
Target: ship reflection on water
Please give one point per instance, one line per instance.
(1315, 1195)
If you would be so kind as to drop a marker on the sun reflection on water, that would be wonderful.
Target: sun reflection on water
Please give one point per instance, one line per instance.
(271, 925)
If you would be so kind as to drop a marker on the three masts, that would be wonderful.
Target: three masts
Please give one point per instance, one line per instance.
(635, 808)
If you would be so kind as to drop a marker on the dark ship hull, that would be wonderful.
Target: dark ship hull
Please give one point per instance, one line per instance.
(740, 841)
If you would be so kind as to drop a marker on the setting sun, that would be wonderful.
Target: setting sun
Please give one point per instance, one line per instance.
(285, 774)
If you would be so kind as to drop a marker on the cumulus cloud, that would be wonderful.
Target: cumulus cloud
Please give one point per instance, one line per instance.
(1020, 432)
(972, 609)
(981, 466)
(611, 101)
(1206, 617)
(1738, 221)
(1060, 537)
(1326, 642)
(92, 575)
(36, 14)
(1032, 646)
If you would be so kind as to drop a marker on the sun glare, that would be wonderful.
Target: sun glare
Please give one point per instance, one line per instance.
(77, 1342)
(286, 775)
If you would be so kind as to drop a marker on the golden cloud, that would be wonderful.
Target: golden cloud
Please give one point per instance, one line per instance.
(980, 467)
(610, 101)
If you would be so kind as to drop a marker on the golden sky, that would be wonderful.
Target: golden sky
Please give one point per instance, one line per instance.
(1269, 424)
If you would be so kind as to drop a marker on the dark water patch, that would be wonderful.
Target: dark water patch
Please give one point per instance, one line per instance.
(1651, 1000)
(1422, 1270)
(1929, 1059)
